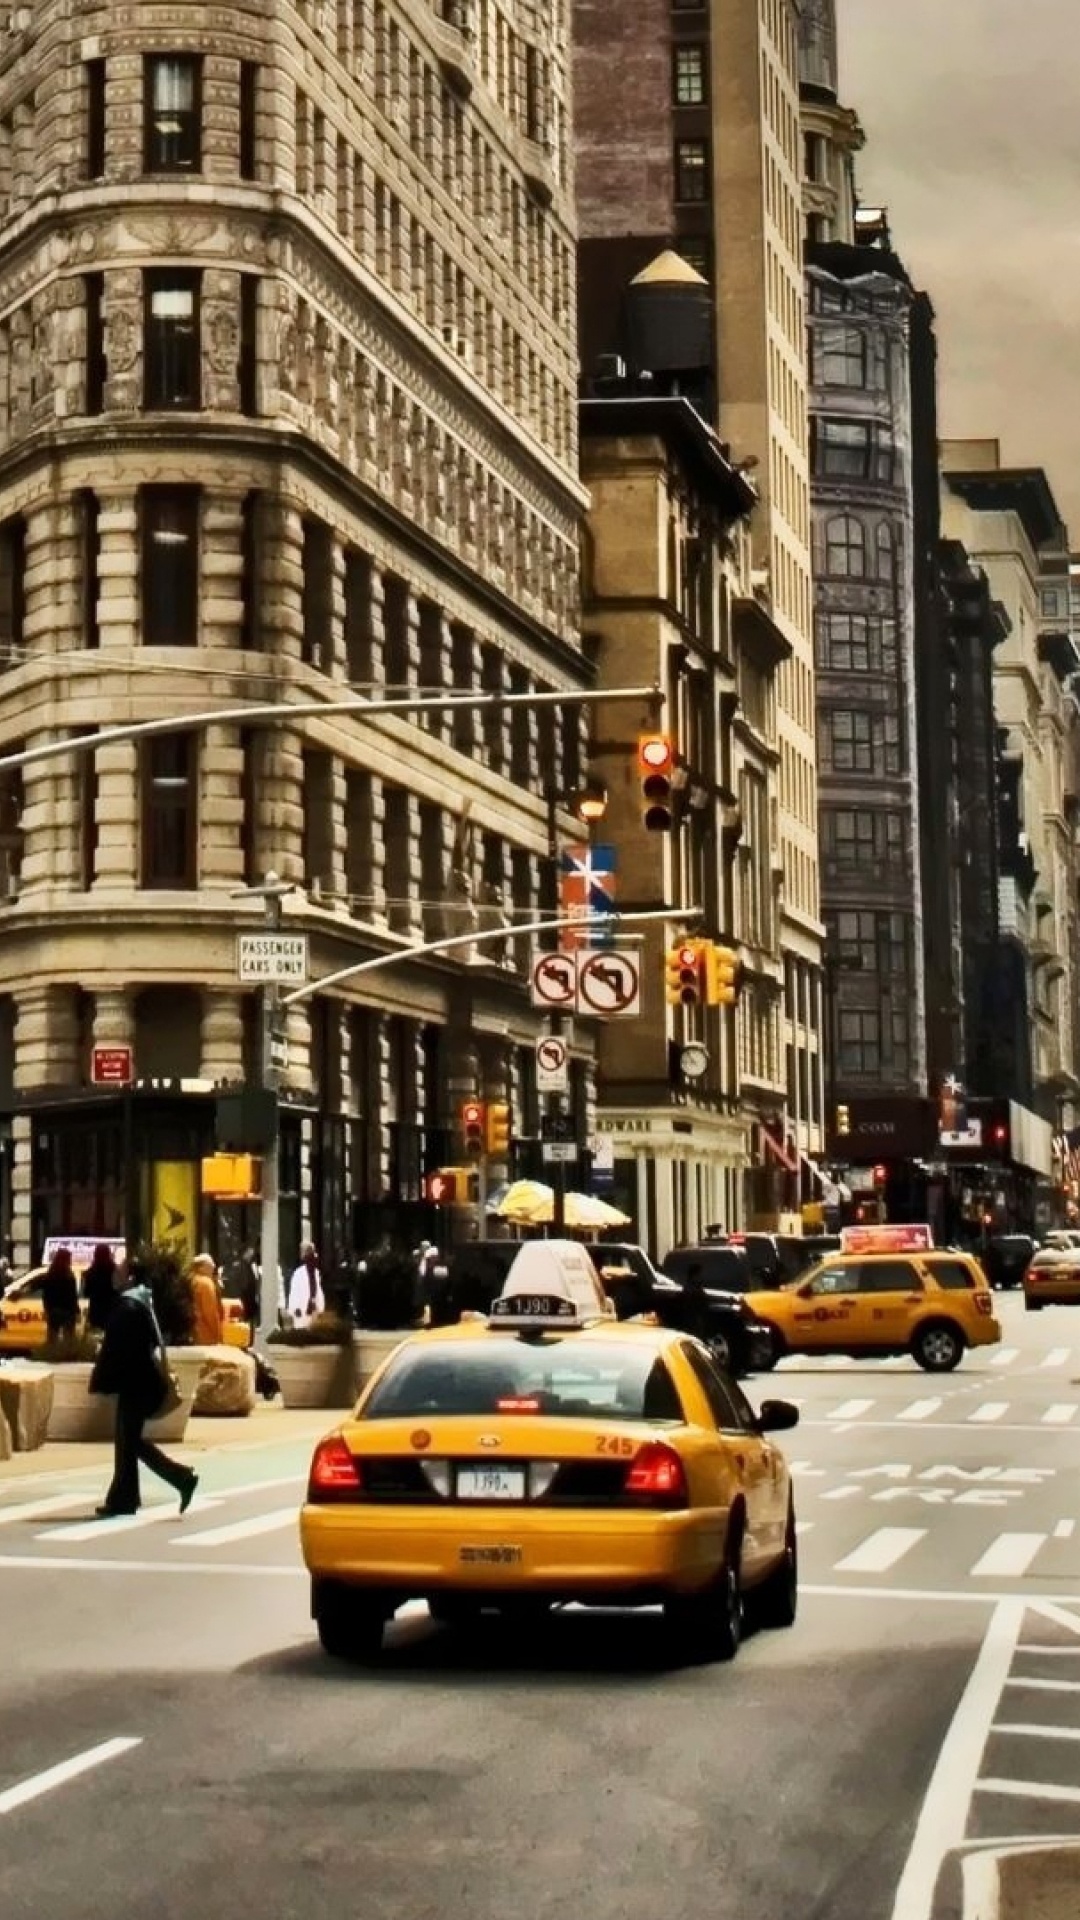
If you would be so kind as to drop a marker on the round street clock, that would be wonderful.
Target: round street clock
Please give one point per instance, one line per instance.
(694, 1060)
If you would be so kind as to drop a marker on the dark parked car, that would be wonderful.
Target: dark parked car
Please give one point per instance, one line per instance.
(716, 1264)
(1006, 1257)
(716, 1315)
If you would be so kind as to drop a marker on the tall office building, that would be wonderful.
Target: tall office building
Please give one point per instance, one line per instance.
(688, 137)
(288, 406)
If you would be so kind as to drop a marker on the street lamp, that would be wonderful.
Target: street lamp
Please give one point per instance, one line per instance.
(589, 803)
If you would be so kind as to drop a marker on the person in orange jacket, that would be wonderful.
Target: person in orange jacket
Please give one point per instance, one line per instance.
(209, 1327)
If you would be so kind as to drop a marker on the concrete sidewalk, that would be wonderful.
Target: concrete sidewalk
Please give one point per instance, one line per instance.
(267, 1426)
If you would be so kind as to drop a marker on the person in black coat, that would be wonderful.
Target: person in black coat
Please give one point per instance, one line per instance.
(131, 1365)
(60, 1296)
(99, 1288)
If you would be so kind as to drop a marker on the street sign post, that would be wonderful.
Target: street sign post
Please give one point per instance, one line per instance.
(552, 1071)
(111, 1067)
(269, 958)
(558, 1152)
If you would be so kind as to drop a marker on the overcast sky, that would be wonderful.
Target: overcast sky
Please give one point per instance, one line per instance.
(972, 115)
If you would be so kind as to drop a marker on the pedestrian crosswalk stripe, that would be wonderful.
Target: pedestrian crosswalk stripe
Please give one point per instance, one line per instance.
(881, 1550)
(1005, 1356)
(1029, 1790)
(1059, 1415)
(38, 1509)
(1009, 1556)
(239, 1529)
(838, 1360)
(919, 1410)
(107, 1529)
(851, 1409)
(804, 1526)
(1056, 1357)
(1032, 1730)
(1064, 1531)
(990, 1410)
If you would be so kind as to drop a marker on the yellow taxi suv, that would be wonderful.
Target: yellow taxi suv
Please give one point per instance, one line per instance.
(22, 1316)
(1052, 1279)
(934, 1305)
(551, 1455)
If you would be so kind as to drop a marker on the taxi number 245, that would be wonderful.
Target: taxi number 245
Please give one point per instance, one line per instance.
(617, 1443)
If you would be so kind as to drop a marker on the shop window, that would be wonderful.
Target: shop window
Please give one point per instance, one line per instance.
(172, 106)
(169, 811)
(172, 374)
(170, 566)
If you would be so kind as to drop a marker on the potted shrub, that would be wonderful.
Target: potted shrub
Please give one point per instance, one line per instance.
(313, 1362)
(387, 1308)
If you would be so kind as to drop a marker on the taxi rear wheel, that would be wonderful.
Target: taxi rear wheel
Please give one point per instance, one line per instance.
(350, 1625)
(938, 1348)
(775, 1603)
(709, 1625)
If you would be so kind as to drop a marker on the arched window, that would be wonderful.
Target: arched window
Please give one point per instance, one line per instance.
(845, 548)
(886, 552)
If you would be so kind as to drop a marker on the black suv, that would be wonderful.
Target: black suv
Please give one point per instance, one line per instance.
(713, 1264)
(716, 1315)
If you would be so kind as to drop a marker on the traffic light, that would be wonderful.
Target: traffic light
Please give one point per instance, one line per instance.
(881, 1175)
(843, 1119)
(656, 764)
(682, 973)
(472, 1128)
(723, 976)
(497, 1131)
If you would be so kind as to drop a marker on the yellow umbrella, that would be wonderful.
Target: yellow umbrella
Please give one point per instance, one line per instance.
(532, 1204)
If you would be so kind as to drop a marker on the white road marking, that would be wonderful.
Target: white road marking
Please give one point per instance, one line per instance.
(1043, 1686)
(834, 1360)
(1005, 1356)
(1056, 1357)
(881, 1550)
(239, 1529)
(920, 1410)
(1040, 1648)
(53, 1562)
(1030, 1790)
(981, 1877)
(851, 1409)
(1060, 1414)
(1009, 1556)
(804, 1526)
(842, 1493)
(58, 1776)
(990, 1410)
(944, 1815)
(124, 1522)
(38, 1509)
(1064, 1531)
(1031, 1730)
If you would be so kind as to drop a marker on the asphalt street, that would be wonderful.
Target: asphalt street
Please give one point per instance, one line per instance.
(172, 1740)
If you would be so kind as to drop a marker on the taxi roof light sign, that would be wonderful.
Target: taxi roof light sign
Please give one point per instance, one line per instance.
(894, 1237)
(551, 1283)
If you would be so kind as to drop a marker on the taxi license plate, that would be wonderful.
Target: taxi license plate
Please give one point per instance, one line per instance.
(491, 1483)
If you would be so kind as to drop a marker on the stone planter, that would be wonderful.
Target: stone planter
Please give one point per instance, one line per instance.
(313, 1376)
(78, 1414)
(26, 1397)
(371, 1346)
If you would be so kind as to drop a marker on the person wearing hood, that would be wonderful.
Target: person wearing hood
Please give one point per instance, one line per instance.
(208, 1329)
(99, 1288)
(132, 1365)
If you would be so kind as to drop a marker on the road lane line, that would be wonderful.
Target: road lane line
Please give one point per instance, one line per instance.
(804, 1526)
(1029, 1790)
(1041, 1648)
(1056, 1357)
(1032, 1730)
(58, 1776)
(1005, 1356)
(981, 1879)
(1044, 1686)
(59, 1562)
(1060, 1414)
(990, 1410)
(834, 1360)
(1009, 1556)
(920, 1410)
(39, 1509)
(1064, 1531)
(881, 1550)
(851, 1409)
(943, 1817)
(842, 1493)
(107, 1529)
(240, 1529)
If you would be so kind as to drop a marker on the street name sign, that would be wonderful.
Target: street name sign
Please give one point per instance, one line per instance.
(267, 958)
(559, 1150)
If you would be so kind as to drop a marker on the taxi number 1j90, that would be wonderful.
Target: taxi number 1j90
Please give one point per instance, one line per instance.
(615, 1443)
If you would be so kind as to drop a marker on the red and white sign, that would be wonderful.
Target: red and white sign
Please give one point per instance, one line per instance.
(112, 1067)
(912, 1237)
(554, 982)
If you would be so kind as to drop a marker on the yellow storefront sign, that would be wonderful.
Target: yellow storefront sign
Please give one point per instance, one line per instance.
(174, 1210)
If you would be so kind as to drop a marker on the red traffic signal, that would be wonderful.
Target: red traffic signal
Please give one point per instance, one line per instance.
(472, 1128)
(656, 764)
(881, 1174)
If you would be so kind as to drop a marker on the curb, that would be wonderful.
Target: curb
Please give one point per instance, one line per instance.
(1040, 1881)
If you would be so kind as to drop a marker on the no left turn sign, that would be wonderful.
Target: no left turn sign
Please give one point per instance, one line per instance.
(551, 1067)
(609, 984)
(554, 981)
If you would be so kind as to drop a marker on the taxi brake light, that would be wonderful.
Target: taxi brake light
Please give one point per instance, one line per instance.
(333, 1469)
(518, 1403)
(657, 1470)
(983, 1303)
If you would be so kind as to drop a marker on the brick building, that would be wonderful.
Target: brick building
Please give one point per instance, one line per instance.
(287, 407)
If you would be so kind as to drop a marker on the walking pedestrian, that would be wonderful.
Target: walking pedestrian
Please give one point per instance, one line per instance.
(306, 1297)
(132, 1365)
(60, 1296)
(99, 1288)
(208, 1329)
(249, 1288)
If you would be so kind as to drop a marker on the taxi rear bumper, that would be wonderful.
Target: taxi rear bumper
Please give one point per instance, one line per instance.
(582, 1554)
(1055, 1288)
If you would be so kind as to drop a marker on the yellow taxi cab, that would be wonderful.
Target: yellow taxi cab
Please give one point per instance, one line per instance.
(1052, 1278)
(22, 1316)
(933, 1303)
(546, 1455)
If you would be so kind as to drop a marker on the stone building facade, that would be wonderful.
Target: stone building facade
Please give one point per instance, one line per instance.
(287, 410)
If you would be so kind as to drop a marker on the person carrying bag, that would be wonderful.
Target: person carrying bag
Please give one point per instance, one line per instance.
(133, 1364)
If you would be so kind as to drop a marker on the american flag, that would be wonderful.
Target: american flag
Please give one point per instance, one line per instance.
(1068, 1148)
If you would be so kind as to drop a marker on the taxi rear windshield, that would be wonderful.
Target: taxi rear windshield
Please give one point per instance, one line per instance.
(557, 1378)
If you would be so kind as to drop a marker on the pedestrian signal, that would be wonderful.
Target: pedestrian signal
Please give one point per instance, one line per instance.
(472, 1128)
(656, 764)
(441, 1189)
(723, 976)
(682, 973)
(497, 1131)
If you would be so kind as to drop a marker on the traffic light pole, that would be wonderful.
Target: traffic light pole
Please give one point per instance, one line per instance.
(555, 1103)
